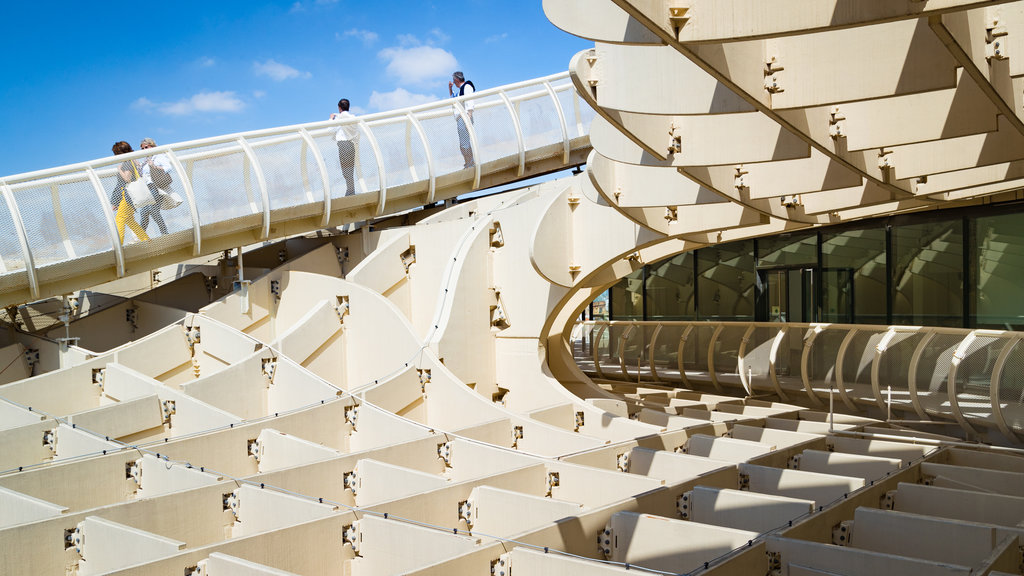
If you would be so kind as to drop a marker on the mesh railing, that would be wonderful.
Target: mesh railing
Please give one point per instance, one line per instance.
(970, 377)
(59, 224)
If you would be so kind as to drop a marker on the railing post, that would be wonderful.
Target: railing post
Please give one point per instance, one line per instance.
(561, 122)
(995, 389)
(519, 133)
(26, 247)
(961, 352)
(186, 185)
(321, 164)
(431, 172)
(261, 182)
(382, 177)
(108, 213)
(58, 215)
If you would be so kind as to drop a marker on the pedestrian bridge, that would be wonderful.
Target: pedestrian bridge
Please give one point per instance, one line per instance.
(57, 232)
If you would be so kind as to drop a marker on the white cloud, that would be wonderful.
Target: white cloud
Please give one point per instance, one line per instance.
(258, 94)
(206, 62)
(408, 40)
(495, 38)
(439, 36)
(398, 98)
(418, 65)
(297, 7)
(277, 71)
(203, 102)
(366, 36)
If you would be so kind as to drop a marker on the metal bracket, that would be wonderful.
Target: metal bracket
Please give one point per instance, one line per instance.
(352, 415)
(772, 67)
(98, 376)
(168, 409)
(837, 124)
(622, 462)
(496, 237)
(517, 435)
(269, 366)
(255, 448)
(604, 542)
(409, 258)
(683, 505)
(466, 512)
(444, 452)
(342, 308)
(551, 483)
(50, 440)
(231, 503)
(842, 533)
(350, 536)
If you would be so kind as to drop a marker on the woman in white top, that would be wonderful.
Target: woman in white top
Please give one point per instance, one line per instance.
(346, 137)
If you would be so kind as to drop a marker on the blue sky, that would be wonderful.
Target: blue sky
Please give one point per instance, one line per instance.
(79, 76)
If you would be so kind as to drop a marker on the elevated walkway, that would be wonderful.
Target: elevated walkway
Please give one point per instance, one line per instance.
(58, 232)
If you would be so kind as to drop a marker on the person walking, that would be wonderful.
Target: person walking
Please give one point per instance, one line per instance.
(459, 86)
(347, 136)
(120, 200)
(155, 173)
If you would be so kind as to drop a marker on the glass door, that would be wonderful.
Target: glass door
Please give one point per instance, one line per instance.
(786, 295)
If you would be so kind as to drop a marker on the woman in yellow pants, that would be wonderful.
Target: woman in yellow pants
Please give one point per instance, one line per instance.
(120, 201)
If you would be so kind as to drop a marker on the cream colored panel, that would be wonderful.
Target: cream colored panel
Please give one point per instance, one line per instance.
(877, 61)
(724, 20)
(821, 488)
(745, 510)
(665, 544)
(819, 172)
(859, 466)
(654, 80)
(380, 482)
(951, 113)
(21, 508)
(606, 23)
(261, 510)
(959, 153)
(829, 559)
(107, 546)
(121, 419)
(701, 140)
(159, 477)
(892, 532)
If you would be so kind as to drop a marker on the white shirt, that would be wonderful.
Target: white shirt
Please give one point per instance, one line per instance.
(348, 132)
(468, 104)
(162, 161)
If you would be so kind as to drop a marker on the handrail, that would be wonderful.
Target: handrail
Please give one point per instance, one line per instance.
(980, 357)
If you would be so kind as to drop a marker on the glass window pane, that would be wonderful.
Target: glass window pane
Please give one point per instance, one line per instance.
(928, 274)
(853, 276)
(999, 273)
(787, 250)
(627, 297)
(670, 289)
(725, 281)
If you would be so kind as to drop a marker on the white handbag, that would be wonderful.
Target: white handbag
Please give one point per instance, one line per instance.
(139, 193)
(170, 200)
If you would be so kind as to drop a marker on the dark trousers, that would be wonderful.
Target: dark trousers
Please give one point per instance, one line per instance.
(347, 159)
(152, 211)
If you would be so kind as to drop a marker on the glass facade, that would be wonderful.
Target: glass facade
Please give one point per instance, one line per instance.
(942, 268)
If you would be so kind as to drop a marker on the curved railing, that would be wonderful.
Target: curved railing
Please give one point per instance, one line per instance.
(58, 233)
(974, 378)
